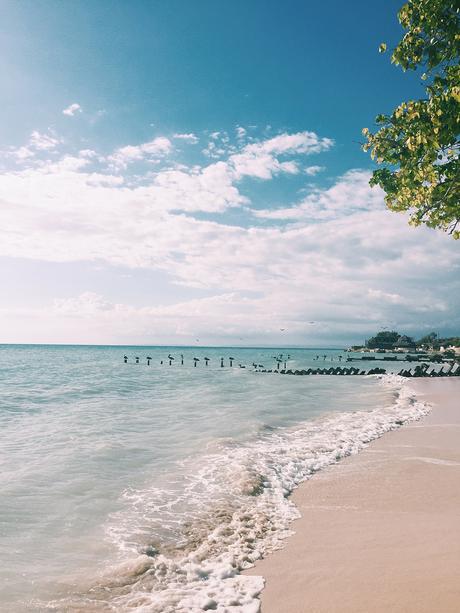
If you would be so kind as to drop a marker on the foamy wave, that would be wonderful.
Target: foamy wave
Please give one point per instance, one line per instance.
(230, 511)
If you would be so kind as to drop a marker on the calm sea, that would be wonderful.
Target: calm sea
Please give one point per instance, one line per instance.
(128, 487)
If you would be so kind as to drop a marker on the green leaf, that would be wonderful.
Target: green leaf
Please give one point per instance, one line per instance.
(418, 143)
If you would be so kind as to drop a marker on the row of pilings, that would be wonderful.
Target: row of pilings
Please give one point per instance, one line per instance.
(170, 360)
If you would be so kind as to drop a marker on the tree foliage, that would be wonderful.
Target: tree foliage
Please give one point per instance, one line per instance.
(383, 340)
(419, 141)
(429, 339)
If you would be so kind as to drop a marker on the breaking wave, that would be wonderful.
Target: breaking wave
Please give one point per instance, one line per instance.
(183, 546)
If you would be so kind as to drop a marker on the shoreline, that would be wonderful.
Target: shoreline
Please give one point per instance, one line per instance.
(379, 530)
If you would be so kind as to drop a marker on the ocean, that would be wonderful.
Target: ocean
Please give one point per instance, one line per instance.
(135, 487)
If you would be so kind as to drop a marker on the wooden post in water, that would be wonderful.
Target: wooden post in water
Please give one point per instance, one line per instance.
(221, 362)
(231, 361)
(148, 360)
(137, 360)
(181, 359)
(196, 360)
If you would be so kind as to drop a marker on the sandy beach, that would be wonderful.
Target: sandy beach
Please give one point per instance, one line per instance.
(380, 531)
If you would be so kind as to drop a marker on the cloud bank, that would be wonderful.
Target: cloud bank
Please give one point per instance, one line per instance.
(329, 266)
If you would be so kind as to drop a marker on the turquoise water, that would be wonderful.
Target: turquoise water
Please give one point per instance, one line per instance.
(108, 469)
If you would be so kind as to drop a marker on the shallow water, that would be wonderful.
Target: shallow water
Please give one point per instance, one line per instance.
(135, 487)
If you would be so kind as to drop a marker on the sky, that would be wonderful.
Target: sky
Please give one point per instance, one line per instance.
(191, 173)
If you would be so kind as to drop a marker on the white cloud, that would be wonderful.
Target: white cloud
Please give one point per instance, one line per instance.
(22, 153)
(209, 189)
(72, 109)
(213, 151)
(360, 266)
(350, 194)
(300, 142)
(311, 171)
(43, 142)
(38, 142)
(219, 145)
(424, 302)
(260, 166)
(158, 147)
(87, 153)
(87, 303)
(189, 138)
(260, 159)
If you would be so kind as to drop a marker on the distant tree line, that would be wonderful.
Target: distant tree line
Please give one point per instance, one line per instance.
(390, 339)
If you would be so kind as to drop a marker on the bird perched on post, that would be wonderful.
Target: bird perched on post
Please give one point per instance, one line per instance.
(170, 358)
(196, 360)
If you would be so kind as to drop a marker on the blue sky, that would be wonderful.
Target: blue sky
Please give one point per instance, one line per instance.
(173, 170)
(205, 65)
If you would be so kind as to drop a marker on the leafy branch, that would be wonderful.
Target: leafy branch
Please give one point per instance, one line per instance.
(418, 143)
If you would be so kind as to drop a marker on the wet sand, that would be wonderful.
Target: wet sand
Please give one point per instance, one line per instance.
(380, 531)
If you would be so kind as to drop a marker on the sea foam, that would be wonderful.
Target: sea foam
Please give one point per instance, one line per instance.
(228, 511)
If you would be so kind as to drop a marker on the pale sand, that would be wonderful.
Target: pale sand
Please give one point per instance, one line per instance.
(380, 531)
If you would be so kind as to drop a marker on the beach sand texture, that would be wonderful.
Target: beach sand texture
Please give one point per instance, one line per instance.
(380, 531)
